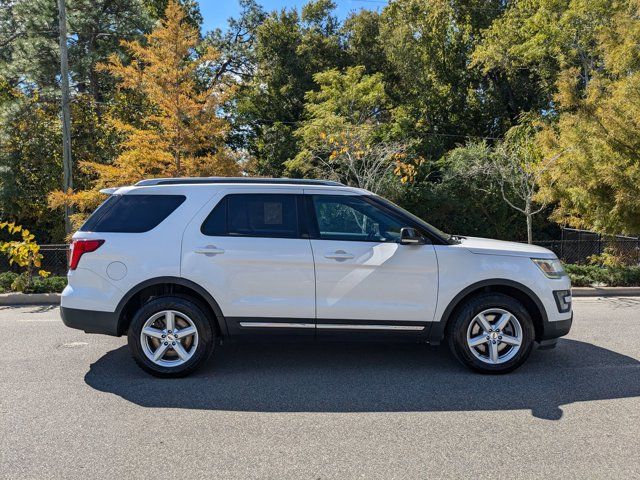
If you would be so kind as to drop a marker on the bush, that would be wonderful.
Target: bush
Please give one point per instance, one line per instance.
(6, 280)
(47, 285)
(12, 282)
(612, 276)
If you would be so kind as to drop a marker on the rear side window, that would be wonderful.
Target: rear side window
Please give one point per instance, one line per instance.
(132, 213)
(254, 215)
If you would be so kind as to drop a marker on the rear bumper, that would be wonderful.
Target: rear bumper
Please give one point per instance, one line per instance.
(90, 321)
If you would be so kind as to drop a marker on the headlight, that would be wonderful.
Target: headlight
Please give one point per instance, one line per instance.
(552, 268)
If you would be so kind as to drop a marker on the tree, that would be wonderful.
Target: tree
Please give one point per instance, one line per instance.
(344, 135)
(514, 166)
(237, 43)
(184, 134)
(30, 137)
(290, 48)
(440, 99)
(595, 183)
(544, 37)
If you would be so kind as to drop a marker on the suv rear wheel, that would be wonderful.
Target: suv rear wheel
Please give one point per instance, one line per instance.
(491, 333)
(170, 337)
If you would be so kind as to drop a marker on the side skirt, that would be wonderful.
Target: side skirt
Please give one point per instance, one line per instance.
(326, 329)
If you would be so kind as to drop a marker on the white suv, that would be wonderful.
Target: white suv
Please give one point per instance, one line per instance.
(180, 264)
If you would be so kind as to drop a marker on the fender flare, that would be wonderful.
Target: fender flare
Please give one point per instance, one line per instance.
(437, 330)
(222, 324)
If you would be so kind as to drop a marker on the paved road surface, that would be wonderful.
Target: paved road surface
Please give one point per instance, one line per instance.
(75, 406)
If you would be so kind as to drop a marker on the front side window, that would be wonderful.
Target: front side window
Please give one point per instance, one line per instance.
(346, 217)
(253, 215)
(132, 213)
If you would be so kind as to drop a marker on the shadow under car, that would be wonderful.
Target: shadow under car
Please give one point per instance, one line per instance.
(348, 377)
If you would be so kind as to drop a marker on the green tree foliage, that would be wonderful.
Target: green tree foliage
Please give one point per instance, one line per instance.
(597, 136)
(290, 48)
(345, 134)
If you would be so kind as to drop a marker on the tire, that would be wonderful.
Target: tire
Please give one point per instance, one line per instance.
(491, 351)
(174, 354)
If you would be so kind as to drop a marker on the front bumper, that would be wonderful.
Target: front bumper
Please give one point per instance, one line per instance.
(554, 330)
(90, 321)
(557, 329)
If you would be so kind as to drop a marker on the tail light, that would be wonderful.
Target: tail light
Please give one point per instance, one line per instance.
(80, 247)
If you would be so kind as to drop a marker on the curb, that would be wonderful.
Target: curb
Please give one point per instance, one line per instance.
(605, 292)
(14, 299)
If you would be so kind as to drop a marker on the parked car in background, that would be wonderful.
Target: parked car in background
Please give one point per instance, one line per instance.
(180, 264)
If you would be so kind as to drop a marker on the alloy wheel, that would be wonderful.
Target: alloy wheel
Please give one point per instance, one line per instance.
(169, 338)
(494, 336)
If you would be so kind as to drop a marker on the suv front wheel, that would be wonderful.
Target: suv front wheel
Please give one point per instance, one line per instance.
(491, 333)
(170, 336)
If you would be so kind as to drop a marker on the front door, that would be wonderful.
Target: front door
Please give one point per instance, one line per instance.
(248, 251)
(365, 279)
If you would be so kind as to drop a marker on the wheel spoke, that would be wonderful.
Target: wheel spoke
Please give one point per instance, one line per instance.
(502, 321)
(152, 332)
(182, 353)
(479, 340)
(157, 355)
(186, 331)
(170, 320)
(482, 320)
(509, 340)
(493, 352)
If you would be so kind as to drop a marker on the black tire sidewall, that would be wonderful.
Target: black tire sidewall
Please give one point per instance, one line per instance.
(463, 317)
(179, 304)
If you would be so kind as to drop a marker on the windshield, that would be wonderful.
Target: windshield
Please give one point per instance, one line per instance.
(418, 220)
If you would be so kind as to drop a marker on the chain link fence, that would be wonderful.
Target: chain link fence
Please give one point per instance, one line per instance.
(54, 260)
(576, 246)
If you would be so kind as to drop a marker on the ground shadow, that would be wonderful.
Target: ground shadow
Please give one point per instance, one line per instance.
(372, 378)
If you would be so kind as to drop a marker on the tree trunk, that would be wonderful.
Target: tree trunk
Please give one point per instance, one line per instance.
(527, 212)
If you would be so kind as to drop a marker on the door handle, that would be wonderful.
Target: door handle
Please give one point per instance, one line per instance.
(209, 250)
(339, 255)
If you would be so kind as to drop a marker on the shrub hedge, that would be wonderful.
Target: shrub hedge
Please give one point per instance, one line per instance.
(8, 283)
(587, 275)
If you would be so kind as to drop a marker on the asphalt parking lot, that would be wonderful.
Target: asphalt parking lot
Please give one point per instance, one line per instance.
(76, 406)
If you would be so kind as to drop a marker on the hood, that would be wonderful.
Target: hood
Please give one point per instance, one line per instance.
(486, 246)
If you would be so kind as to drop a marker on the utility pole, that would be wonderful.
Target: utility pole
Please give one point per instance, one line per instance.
(67, 175)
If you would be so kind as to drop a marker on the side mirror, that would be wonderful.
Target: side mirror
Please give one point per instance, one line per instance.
(409, 236)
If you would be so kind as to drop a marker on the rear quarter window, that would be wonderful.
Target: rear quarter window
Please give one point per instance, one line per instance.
(132, 213)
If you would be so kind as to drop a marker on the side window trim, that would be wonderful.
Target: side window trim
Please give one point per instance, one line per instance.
(302, 226)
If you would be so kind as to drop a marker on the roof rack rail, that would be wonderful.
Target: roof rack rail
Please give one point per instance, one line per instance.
(209, 180)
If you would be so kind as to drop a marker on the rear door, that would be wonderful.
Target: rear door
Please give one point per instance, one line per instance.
(365, 279)
(250, 251)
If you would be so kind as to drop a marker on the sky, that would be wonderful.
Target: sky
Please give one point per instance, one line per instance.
(216, 12)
